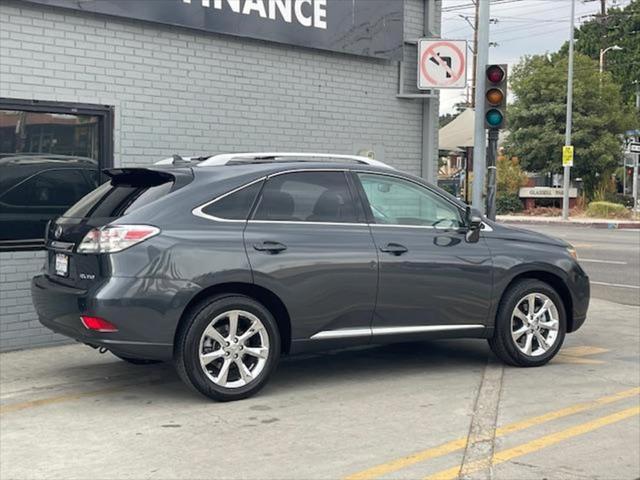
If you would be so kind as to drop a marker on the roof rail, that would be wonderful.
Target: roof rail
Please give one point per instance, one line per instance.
(227, 158)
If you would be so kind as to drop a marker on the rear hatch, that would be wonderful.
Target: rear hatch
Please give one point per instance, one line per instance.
(128, 190)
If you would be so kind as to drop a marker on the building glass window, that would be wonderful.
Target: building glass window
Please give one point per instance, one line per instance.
(50, 157)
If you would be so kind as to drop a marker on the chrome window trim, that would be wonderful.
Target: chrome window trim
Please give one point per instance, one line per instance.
(304, 222)
(199, 213)
(379, 331)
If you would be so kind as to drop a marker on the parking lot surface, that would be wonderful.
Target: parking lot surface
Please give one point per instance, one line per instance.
(423, 410)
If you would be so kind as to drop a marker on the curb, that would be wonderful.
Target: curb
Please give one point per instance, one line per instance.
(610, 225)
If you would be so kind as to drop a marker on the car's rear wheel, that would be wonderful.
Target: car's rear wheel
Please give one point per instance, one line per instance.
(530, 326)
(228, 347)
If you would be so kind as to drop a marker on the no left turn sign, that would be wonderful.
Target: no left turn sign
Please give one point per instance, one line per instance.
(442, 63)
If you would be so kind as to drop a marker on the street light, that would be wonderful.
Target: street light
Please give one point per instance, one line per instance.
(602, 53)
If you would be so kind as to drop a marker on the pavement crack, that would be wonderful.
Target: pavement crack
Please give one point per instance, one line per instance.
(476, 462)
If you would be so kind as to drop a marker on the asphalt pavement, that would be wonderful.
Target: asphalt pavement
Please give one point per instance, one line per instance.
(611, 257)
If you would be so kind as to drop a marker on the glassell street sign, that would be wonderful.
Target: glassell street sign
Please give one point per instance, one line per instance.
(546, 192)
(634, 147)
(371, 28)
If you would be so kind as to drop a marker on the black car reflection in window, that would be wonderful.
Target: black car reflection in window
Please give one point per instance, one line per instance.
(37, 188)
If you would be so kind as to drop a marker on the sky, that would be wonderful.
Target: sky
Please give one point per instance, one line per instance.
(524, 27)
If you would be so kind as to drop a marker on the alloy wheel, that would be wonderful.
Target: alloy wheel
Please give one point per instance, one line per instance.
(535, 324)
(234, 349)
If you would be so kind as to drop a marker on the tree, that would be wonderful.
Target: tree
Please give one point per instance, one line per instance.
(618, 27)
(537, 118)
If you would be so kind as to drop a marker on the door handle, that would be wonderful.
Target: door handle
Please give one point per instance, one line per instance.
(270, 247)
(394, 249)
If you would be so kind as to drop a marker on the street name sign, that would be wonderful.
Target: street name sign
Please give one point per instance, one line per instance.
(567, 156)
(442, 63)
(634, 147)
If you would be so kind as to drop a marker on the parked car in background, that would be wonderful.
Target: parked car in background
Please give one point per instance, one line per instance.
(224, 263)
(37, 187)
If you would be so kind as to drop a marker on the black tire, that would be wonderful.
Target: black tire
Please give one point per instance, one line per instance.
(187, 348)
(504, 346)
(137, 361)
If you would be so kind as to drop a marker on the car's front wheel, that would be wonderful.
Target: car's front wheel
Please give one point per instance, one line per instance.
(530, 326)
(228, 347)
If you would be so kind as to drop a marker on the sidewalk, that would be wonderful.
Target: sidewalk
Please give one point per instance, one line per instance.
(577, 221)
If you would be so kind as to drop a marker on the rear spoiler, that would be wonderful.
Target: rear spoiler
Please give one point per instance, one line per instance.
(150, 175)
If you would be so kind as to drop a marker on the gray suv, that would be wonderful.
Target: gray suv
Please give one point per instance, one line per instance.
(222, 264)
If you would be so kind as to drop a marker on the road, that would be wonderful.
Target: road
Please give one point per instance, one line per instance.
(610, 257)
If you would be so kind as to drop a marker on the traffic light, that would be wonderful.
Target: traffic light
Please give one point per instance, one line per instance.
(495, 96)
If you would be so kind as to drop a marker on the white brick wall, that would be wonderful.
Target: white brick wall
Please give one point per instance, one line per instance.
(181, 91)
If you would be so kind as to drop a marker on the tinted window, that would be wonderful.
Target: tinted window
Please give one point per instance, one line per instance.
(114, 199)
(235, 206)
(307, 197)
(50, 188)
(395, 201)
(48, 161)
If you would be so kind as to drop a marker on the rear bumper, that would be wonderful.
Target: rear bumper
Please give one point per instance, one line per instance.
(145, 312)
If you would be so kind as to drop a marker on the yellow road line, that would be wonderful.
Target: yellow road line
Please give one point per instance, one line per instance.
(460, 443)
(537, 444)
(13, 407)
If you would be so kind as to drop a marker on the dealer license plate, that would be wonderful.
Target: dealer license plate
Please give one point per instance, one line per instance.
(62, 264)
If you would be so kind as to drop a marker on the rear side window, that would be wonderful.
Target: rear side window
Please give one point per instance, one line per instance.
(120, 196)
(235, 205)
(307, 197)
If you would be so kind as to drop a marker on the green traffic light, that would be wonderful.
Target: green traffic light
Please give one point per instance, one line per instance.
(494, 117)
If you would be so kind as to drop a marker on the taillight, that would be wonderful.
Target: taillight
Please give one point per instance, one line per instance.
(98, 324)
(115, 238)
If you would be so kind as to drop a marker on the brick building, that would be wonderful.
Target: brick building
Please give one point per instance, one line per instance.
(125, 85)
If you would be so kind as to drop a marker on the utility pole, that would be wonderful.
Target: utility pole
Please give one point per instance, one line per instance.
(567, 136)
(636, 204)
(479, 140)
(475, 55)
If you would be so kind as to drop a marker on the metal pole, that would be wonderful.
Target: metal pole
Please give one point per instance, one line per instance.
(475, 55)
(636, 206)
(492, 154)
(479, 140)
(567, 136)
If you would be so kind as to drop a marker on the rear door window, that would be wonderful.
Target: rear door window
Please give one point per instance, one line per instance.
(307, 197)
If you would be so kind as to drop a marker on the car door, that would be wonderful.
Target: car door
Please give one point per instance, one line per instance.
(431, 279)
(308, 242)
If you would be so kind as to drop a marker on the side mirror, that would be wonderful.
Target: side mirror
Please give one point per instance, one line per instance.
(473, 220)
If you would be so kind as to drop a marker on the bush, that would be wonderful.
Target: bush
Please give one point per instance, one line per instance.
(510, 176)
(607, 210)
(626, 200)
(508, 203)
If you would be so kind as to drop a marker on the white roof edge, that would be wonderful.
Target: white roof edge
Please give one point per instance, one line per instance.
(225, 158)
